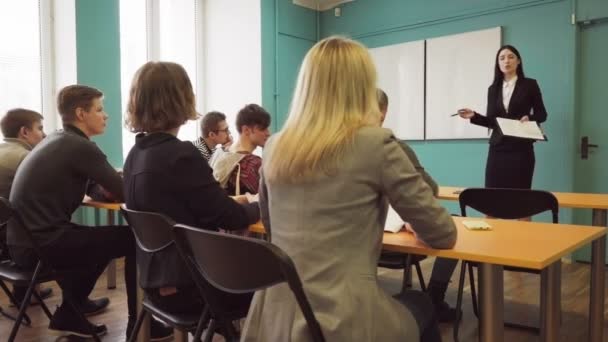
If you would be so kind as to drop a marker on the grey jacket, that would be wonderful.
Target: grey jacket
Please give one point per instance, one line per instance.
(12, 153)
(332, 228)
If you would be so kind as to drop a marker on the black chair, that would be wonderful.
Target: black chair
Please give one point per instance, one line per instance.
(217, 259)
(42, 273)
(152, 233)
(396, 261)
(502, 204)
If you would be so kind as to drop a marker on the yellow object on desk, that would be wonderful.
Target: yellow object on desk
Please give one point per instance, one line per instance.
(476, 225)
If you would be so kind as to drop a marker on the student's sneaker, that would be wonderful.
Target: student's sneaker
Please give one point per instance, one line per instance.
(92, 307)
(158, 331)
(66, 322)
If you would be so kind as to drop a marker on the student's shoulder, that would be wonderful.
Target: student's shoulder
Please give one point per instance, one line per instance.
(374, 135)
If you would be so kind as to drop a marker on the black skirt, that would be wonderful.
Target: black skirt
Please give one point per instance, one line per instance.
(510, 169)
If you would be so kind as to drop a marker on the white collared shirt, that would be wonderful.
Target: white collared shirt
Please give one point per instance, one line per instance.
(507, 91)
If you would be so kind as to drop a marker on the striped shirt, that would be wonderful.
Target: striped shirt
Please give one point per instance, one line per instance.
(203, 148)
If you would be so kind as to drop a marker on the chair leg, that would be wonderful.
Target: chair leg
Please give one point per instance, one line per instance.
(406, 273)
(210, 331)
(3, 313)
(140, 320)
(463, 270)
(420, 276)
(43, 305)
(25, 302)
(201, 324)
(12, 299)
(473, 291)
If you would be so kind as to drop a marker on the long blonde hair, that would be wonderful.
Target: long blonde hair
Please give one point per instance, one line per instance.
(335, 95)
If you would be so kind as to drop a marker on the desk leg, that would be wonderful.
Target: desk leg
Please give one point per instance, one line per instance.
(596, 304)
(550, 302)
(111, 270)
(144, 331)
(491, 303)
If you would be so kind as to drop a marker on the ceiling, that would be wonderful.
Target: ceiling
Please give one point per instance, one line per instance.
(320, 5)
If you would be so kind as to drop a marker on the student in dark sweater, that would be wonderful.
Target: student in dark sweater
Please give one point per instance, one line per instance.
(166, 175)
(48, 188)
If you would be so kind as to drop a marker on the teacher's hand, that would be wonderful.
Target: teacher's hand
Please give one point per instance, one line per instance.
(524, 118)
(466, 113)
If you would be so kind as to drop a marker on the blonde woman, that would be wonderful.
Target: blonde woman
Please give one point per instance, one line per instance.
(327, 179)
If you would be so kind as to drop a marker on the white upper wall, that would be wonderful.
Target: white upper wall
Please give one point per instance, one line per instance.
(232, 75)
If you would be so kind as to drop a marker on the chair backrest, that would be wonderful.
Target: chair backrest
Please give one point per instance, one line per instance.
(7, 212)
(141, 222)
(509, 203)
(239, 264)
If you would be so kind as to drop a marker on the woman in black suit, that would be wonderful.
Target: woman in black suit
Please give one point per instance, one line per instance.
(511, 160)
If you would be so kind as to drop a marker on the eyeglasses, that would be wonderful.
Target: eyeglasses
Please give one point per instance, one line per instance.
(227, 130)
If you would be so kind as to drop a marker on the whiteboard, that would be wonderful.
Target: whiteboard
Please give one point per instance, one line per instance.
(459, 69)
(400, 71)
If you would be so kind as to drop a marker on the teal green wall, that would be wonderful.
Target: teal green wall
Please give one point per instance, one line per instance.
(591, 9)
(98, 58)
(98, 65)
(288, 32)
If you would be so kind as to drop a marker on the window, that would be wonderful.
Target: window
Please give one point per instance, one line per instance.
(158, 30)
(27, 63)
(218, 42)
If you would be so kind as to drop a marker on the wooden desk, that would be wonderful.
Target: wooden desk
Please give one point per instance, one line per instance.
(523, 244)
(597, 202)
(111, 209)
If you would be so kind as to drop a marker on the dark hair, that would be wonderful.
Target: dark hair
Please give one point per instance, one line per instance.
(382, 99)
(161, 98)
(210, 122)
(75, 96)
(254, 116)
(16, 118)
(498, 76)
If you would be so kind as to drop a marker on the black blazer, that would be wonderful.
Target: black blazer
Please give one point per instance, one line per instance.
(525, 100)
(166, 175)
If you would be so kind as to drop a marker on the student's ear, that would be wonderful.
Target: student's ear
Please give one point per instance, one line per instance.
(23, 132)
(79, 114)
(246, 130)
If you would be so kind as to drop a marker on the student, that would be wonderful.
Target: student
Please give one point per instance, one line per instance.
(511, 160)
(239, 170)
(442, 268)
(48, 188)
(22, 130)
(328, 177)
(166, 175)
(215, 132)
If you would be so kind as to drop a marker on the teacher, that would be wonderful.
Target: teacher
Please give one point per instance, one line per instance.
(511, 160)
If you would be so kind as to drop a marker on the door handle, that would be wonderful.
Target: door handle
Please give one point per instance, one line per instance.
(585, 145)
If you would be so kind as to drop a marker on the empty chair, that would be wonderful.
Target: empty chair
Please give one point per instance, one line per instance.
(503, 204)
(218, 259)
(153, 234)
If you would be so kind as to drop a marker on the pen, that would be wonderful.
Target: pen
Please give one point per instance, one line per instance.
(454, 114)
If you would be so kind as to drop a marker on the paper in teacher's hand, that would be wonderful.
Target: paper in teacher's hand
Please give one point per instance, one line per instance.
(477, 225)
(394, 223)
(518, 129)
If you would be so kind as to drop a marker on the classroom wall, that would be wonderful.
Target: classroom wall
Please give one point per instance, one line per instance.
(288, 32)
(98, 65)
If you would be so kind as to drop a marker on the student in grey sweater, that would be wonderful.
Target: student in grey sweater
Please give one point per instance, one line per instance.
(442, 268)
